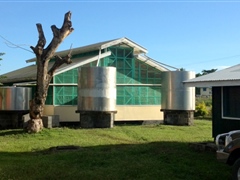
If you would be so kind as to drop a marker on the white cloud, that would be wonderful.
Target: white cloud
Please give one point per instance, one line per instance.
(221, 67)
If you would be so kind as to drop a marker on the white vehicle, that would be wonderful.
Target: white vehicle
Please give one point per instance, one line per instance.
(228, 151)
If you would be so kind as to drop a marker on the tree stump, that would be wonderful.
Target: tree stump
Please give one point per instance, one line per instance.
(34, 125)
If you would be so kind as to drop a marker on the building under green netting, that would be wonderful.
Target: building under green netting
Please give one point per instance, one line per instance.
(138, 80)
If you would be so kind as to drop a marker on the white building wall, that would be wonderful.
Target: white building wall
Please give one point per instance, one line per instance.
(206, 91)
(124, 113)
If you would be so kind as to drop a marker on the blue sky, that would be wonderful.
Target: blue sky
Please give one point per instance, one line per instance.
(193, 35)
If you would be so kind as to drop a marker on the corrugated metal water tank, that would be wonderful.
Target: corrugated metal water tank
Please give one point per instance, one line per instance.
(97, 89)
(175, 96)
(15, 98)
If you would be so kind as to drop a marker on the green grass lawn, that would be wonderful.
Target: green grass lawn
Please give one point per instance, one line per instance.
(122, 152)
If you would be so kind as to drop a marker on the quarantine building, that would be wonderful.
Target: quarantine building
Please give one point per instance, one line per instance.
(138, 80)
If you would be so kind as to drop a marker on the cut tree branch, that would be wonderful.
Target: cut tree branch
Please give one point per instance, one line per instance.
(38, 49)
(60, 61)
(59, 36)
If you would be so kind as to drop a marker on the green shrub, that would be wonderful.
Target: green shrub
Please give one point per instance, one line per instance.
(201, 109)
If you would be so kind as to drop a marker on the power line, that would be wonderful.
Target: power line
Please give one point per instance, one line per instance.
(14, 45)
(199, 62)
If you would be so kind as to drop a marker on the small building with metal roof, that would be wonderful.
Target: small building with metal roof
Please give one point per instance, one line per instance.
(138, 80)
(225, 97)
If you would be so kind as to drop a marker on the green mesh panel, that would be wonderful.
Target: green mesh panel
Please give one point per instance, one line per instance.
(129, 71)
(91, 53)
(49, 100)
(138, 95)
(132, 71)
(70, 76)
(91, 64)
(33, 91)
(65, 95)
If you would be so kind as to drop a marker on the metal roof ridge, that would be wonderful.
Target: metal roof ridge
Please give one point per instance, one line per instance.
(157, 63)
(102, 45)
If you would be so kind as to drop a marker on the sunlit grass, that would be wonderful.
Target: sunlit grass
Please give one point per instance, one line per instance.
(122, 152)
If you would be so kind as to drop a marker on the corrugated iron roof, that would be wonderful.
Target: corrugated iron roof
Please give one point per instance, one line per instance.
(102, 45)
(226, 77)
(28, 74)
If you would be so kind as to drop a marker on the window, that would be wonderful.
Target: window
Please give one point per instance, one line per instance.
(231, 102)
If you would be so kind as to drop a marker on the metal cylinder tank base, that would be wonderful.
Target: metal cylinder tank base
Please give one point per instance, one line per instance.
(97, 119)
(176, 117)
(14, 103)
(178, 101)
(12, 119)
(15, 98)
(97, 96)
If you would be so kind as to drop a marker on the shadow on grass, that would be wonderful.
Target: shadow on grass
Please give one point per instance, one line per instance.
(12, 132)
(156, 160)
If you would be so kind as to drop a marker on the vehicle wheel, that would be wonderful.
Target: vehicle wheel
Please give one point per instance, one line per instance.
(236, 170)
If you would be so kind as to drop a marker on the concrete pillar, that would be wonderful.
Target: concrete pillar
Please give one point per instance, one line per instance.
(97, 119)
(178, 117)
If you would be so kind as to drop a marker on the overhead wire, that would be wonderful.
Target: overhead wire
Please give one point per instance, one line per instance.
(8, 43)
(217, 59)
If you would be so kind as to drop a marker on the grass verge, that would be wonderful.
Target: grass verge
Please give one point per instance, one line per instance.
(122, 152)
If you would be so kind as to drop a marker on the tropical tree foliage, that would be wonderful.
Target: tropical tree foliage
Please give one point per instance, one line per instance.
(204, 72)
(1, 54)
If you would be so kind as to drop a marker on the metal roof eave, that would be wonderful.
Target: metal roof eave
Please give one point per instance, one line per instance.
(29, 73)
(212, 83)
(150, 62)
(225, 77)
(88, 60)
(13, 80)
(102, 45)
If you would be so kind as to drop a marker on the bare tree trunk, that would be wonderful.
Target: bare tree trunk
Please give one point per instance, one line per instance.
(44, 73)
